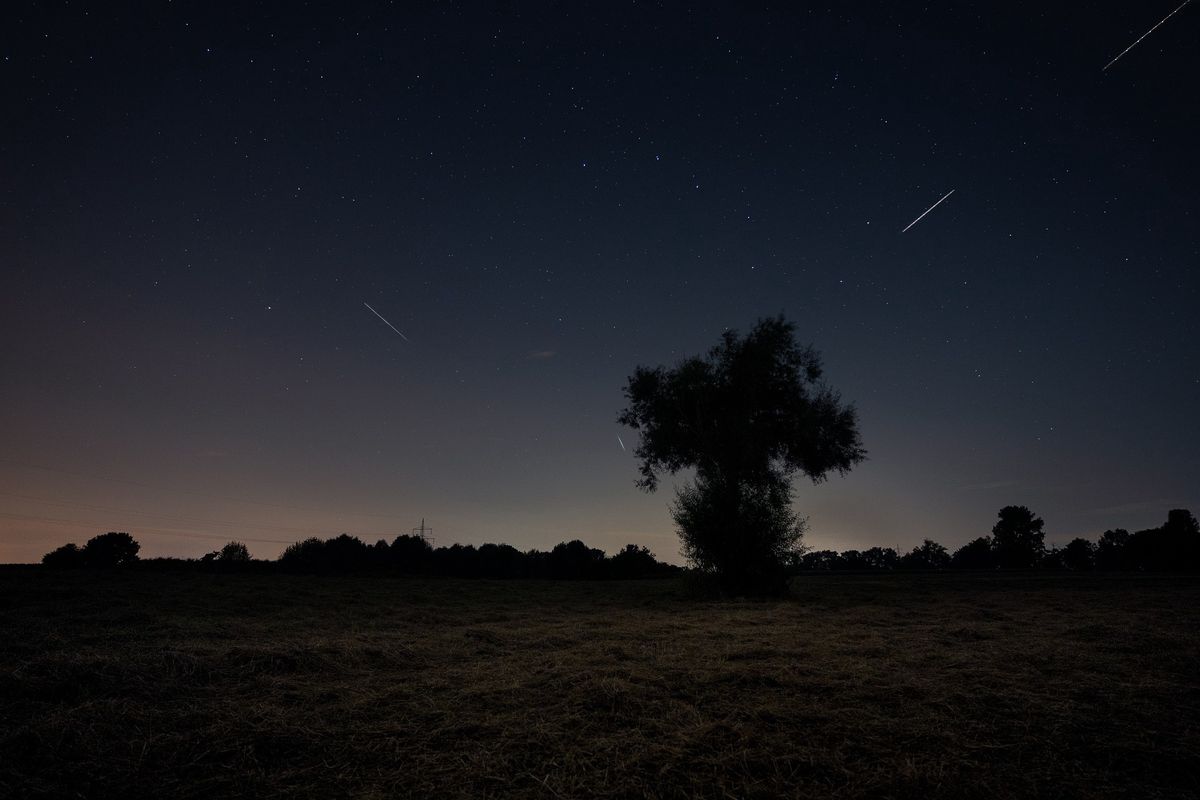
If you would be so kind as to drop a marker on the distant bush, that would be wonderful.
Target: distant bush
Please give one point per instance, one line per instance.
(1079, 554)
(1018, 539)
(633, 562)
(343, 553)
(1018, 542)
(927, 555)
(1110, 550)
(414, 555)
(820, 560)
(881, 558)
(975, 554)
(1172, 547)
(411, 554)
(66, 557)
(1051, 558)
(231, 553)
(112, 549)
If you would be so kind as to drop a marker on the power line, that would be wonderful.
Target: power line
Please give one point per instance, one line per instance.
(140, 530)
(170, 517)
(24, 465)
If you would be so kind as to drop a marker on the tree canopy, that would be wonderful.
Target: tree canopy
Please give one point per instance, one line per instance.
(746, 417)
(1018, 539)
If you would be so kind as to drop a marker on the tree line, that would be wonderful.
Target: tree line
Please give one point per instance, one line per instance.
(405, 555)
(1018, 542)
(753, 413)
(746, 418)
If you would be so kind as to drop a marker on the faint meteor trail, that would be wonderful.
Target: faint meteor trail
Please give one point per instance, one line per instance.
(932, 207)
(620, 442)
(1144, 35)
(385, 322)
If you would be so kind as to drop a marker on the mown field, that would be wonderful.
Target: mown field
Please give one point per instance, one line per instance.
(196, 685)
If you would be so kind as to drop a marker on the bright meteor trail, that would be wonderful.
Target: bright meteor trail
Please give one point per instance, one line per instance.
(385, 322)
(1144, 35)
(935, 205)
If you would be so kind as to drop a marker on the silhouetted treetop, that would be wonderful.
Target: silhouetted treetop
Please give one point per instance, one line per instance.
(754, 406)
(67, 556)
(976, 554)
(1017, 537)
(112, 549)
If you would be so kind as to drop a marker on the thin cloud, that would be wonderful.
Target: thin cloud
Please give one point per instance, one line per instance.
(1138, 505)
(990, 485)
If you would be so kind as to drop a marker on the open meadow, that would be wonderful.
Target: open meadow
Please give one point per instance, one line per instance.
(202, 685)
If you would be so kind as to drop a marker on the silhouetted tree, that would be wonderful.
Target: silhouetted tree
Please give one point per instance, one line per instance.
(747, 417)
(1111, 550)
(852, 559)
(1181, 539)
(881, 558)
(501, 561)
(975, 554)
(1175, 546)
(1017, 538)
(234, 553)
(411, 554)
(1183, 523)
(927, 555)
(346, 553)
(112, 549)
(633, 562)
(381, 553)
(1052, 558)
(820, 560)
(305, 555)
(574, 559)
(458, 560)
(1079, 554)
(66, 557)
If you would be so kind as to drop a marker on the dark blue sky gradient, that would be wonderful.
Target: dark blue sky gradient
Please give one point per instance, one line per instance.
(196, 202)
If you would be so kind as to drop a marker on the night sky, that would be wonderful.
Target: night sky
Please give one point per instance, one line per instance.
(196, 204)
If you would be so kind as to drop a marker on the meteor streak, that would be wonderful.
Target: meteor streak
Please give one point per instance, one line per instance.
(620, 442)
(1144, 35)
(385, 322)
(935, 205)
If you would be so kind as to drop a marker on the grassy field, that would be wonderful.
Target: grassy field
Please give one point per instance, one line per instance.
(858, 686)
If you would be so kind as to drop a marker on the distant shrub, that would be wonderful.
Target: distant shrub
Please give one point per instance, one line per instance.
(1079, 554)
(232, 553)
(1052, 558)
(305, 555)
(975, 554)
(574, 559)
(927, 555)
(343, 553)
(820, 560)
(1017, 538)
(411, 554)
(881, 558)
(1110, 550)
(852, 559)
(112, 549)
(66, 557)
(633, 562)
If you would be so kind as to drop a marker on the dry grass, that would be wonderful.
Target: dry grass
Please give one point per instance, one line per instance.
(895, 686)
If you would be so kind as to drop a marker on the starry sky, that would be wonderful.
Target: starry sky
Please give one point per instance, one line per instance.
(197, 200)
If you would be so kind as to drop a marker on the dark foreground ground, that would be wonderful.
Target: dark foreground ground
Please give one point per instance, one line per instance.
(895, 686)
